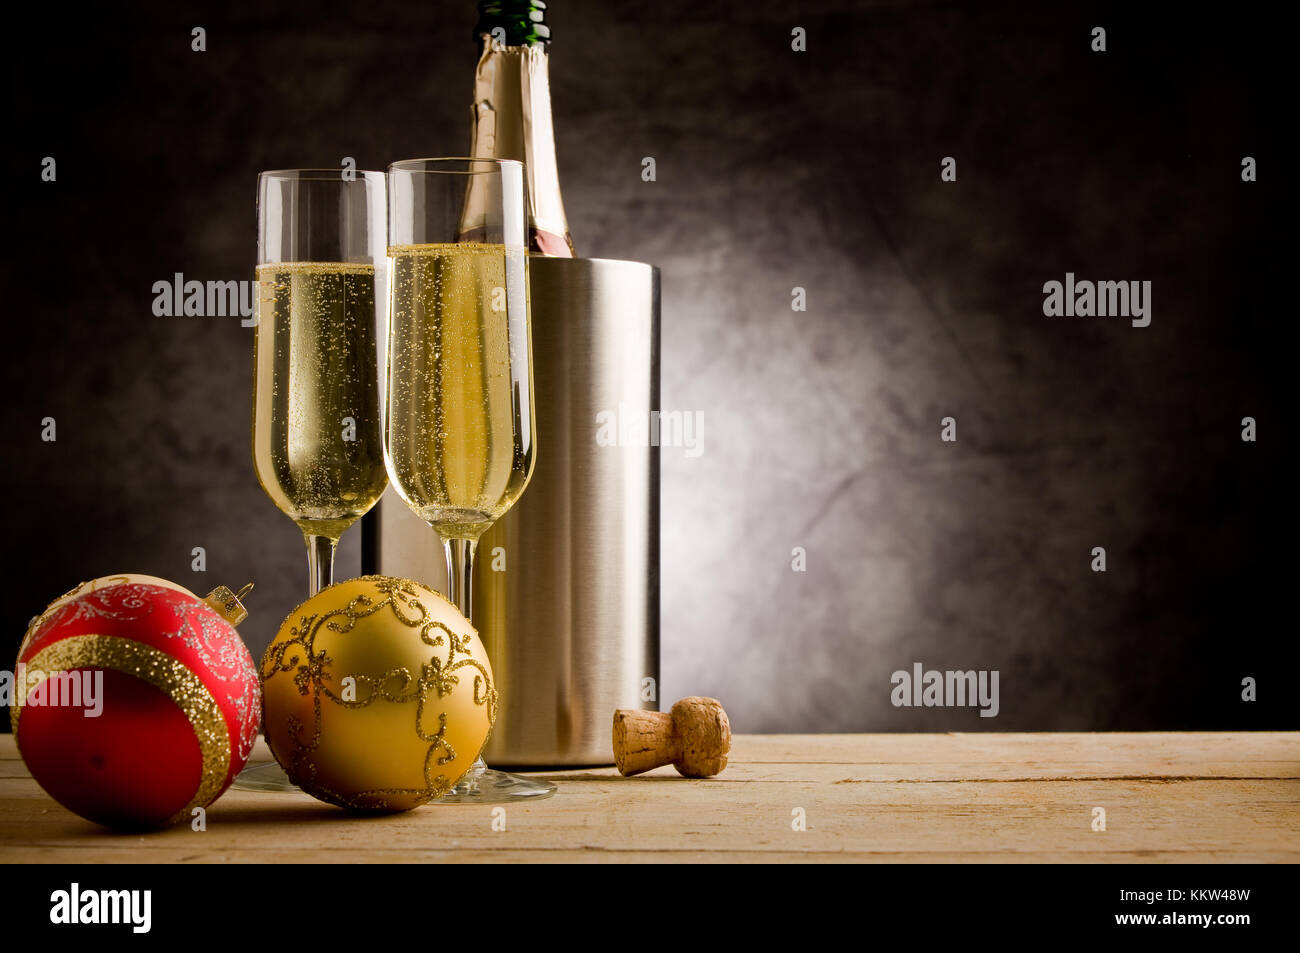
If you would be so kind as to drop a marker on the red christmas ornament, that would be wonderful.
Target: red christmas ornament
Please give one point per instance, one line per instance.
(136, 703)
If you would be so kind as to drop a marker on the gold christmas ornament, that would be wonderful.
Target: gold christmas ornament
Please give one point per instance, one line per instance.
(377, 694)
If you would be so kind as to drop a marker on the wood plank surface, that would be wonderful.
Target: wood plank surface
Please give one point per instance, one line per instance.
(1181, 797)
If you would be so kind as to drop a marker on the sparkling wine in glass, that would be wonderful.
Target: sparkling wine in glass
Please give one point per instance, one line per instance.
(317, 395)
(459, 437)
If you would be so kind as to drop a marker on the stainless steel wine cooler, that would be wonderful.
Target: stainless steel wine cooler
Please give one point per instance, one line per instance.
(566, 585)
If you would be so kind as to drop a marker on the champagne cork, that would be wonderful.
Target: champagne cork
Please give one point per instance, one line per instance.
(694, 737)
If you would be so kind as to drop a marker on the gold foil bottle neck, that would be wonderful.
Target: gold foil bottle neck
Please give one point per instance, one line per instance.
(512, 120)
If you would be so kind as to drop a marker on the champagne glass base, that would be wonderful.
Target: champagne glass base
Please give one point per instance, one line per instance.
(482, 785)
(268, 776)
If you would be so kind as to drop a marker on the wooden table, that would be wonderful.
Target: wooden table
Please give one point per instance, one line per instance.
(1189, 797)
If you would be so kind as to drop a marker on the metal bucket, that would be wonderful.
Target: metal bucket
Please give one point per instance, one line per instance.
(571, 624)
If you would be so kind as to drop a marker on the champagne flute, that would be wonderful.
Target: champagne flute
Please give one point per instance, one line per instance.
(459, 435)
(317, 399)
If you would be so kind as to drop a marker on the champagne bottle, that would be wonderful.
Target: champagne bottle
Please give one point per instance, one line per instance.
(512, 116)
(511, 119)
(566, 585)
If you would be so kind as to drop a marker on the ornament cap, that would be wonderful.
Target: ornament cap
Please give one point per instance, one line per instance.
(228, 604)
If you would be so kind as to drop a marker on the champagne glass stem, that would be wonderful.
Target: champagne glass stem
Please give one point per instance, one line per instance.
(269, 776)
(480, 784)
(460, 573)
(460, 587)
(320, 562)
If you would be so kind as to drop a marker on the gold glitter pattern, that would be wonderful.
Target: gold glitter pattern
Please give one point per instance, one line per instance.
(439, 676)
(168, 675)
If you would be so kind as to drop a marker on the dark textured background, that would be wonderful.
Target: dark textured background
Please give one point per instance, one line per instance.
(775, 169)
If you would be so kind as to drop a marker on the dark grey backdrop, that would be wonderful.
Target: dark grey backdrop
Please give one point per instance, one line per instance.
(775, 169)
